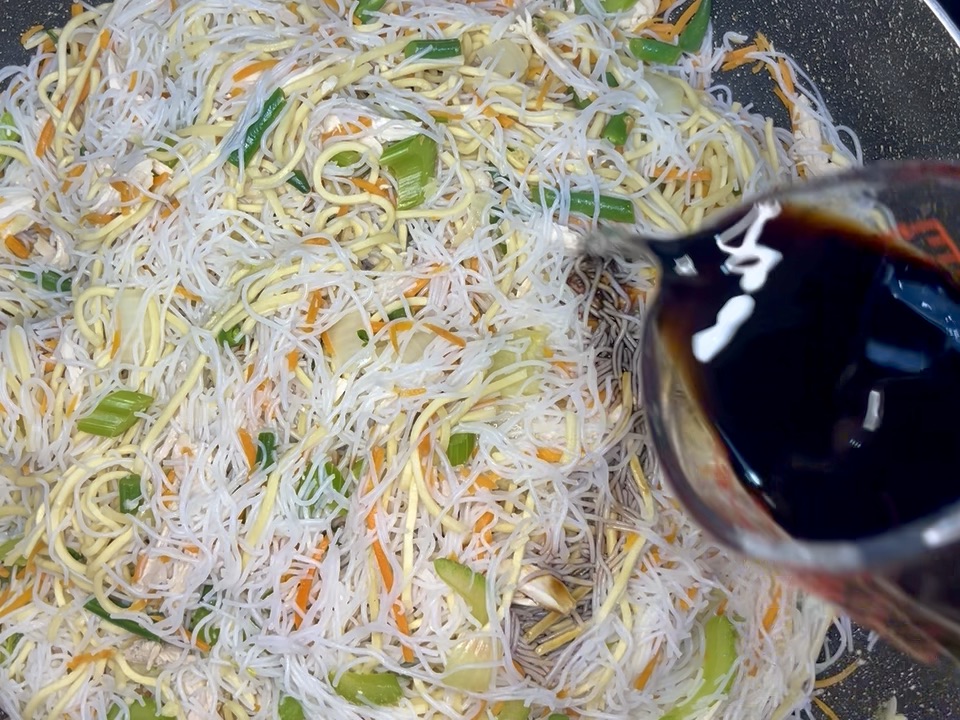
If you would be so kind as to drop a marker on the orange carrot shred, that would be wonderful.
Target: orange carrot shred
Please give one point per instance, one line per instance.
(550, 455)
(86, 658)
(46, 137)
(76, 9)
(395, 328)
(644, 677)
(186, 294)
(17, 603)
(306, 584)
(248, 446)
(770, 616)
(16, 246)
(417, 286)
(446, 335)
(370, 187)
(313, 309)
(293, 358)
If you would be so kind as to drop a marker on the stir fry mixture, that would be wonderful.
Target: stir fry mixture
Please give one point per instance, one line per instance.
(306, 407)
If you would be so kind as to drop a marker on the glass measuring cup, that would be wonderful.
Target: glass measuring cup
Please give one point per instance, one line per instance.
(904, 582)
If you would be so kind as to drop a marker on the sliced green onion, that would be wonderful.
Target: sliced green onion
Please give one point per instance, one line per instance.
(696, 30)
(266, 450)
(649, 50)
(10, 644)
(719, 654)
(231, 337)
(128, 488)
(616, 130)
(6, 547)
(513, 710)
(298, 180)
(469, 585)
(460, 447)
(399, 313)
(8, 128)
(94, 606)
(578, 102)
(433, 49)
(364, 336)
(611, 80)
(209, 633)
(413, 163)
(289, 708)
(50, 280)
(346, 158)
(366, 8)
(369, 688)
(613, 208)
(146, 709)
(76, 555)
(251, 140)
(616, 6)
(313, 479)
(115, 414)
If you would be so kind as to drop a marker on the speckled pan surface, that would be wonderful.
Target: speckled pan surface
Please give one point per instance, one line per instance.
(890, 70)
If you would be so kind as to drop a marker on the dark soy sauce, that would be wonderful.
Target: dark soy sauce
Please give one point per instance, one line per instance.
(838, 397)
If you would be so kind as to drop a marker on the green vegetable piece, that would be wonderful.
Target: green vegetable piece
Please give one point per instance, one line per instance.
(76, 555)
(469, 585)
(578, 102)
(369, 688)
(346, 158)
(513, 710)
(266, 450)
(298, 180)
(289, 708)
(613, 208)
(128, 488)
(413, 163)
(650, 50)
(693, 34)
(616, 130)
(146, 709)
(6, 547)
(433, 49)
(115, 414)
(399, 313)
(251, 140)
(209, 633)
(50, 280)
(10, 644)
(616, 6)
(94, 606)
(461, 447)
(364, 336)
(719, 654)
(312, 480)
(231, 337)
(366, 8)
(611, 80)
(557, 716)
(8, 129)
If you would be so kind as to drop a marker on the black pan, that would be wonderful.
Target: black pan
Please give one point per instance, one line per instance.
(890, 69)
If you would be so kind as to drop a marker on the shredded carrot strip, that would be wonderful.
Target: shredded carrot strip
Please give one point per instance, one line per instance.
(398, 327)
(350, 128)
(326, 342)
(46, 137)
(692, 595)
(306, 584)
(788, 85)
(98, 218)
(253, 68)
(293, 358)
(446, 335)
(506, 122)
(137, 605)
(377, 325)
(313, 309)
(411, 392)
(17, 603)
(248, 446)
(686, 17)
(370, 187)
(84, 92)
(16, 246)
(76, 9)
(785, 100)
(550, 455)
(202, 645)
(825, 709)
(104, 39)
(698, 175)
(167, 210)
(487, 480)
(770, 616)
(29, 33)
(722, 607)
(545, 88)
(186, 294)
(86, 658)
(417, 286)
(839, 677)
(644, 677)
(739, 57)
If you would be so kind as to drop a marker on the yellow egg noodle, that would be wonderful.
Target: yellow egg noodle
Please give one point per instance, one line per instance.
(306, 409)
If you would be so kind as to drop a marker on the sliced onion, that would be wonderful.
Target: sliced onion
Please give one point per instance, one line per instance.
(344, 340)
(668, 91)
(471, 663)
(508, 58)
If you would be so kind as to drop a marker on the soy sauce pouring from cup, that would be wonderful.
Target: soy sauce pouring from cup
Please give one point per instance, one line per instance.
(801, 373)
